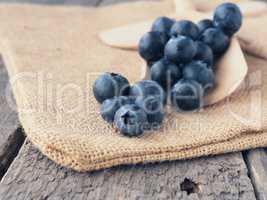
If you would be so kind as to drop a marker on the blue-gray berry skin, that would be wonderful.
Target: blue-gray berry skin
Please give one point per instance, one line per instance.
(165, 73)
(109, 85)
(204, 25)
(180, 50)
(151, 46)
(228, 18)
(216, 40)
(163, 25)
(147, 88)
(187, 96)
(153, 107)
(130, 120)
(185, 28)
(198, 71)
(204, 53)
(110, 106)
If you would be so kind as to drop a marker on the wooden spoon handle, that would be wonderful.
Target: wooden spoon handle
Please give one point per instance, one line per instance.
(184, 5)
(127, 37)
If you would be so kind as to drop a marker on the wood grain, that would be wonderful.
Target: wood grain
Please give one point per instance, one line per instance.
(257, 165)
(57, 2)
(33, 176)
(10, 139)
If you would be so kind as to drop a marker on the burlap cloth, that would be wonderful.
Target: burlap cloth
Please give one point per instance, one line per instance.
(53, 56)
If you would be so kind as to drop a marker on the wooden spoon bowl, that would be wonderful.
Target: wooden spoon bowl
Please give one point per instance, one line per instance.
(230, 70)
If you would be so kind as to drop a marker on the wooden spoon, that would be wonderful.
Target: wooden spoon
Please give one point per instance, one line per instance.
(230, 70)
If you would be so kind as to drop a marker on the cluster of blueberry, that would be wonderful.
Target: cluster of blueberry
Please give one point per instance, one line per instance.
(181, 57)
(132, 109)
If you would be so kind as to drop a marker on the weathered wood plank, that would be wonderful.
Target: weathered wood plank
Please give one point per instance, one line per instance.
(33, 176)
(57, 2)
(10, 139)
(257, 164)
(110, 2)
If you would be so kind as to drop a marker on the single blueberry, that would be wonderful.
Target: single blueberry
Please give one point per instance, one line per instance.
(153, 107)
(198, 71)
(204, 25)
(151, 46)
(162, 25)
(185, 28)
(216, 40)
(180, 50)
(110, 107)
(109, 85)
(165, 73)
(147, 88)
(204, 53)
(130, 120)
(228, 18)
(187, 95)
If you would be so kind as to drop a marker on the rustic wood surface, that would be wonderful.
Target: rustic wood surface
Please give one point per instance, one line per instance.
(10, 139)
(257, 165)
(33, 176)
(57, 2)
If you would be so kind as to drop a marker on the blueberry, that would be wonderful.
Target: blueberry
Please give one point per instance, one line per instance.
(228, 17)
(147, 88)
(153, 107)
(151, 46)
(187, 95)
(130, 120)
(180, 50)
(204, 53)
(204, 25)
(110, 107)
(109, 85)
(165, 73)
(185, 28)
(216, 40)
(162, 25)
(198, 71)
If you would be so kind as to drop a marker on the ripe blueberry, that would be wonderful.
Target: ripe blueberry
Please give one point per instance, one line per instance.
(110, 107)
(165, 73)
(109, 85)
(204, 25)
(228, 18)
(180, 50)
(163, 25)
(216, 40)
(153, 107)
(185, 28)
(151, 46)
(198, 71)
(204, 53)
(147, 88)
(187, 95)
(130, 120)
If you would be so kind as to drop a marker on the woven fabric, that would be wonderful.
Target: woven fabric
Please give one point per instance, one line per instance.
(53, 56)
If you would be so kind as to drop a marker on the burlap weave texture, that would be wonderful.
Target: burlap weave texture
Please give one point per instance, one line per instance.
(53, 56)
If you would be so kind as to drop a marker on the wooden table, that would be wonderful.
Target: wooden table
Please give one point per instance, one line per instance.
(30, 175)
